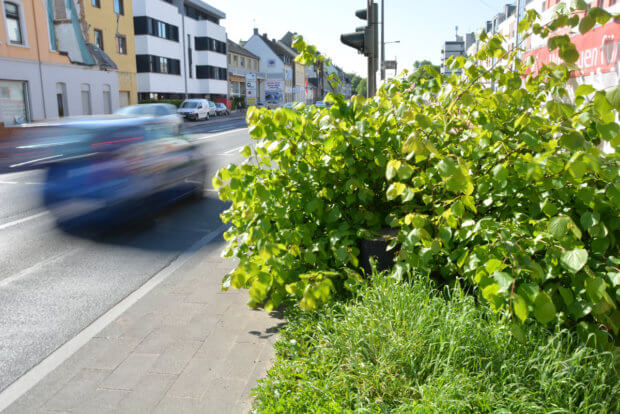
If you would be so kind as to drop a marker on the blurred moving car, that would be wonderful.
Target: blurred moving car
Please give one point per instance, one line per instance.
(221, 109)
(155, 109)
(114, 168)
(195, 109)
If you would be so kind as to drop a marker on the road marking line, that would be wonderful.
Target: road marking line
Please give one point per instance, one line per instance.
(31, 378)
(35, 267)
(22, 220)
(221, 133)
(232, 151)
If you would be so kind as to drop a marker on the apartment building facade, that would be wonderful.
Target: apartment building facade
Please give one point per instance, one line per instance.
(243, 68)
(276, 62)
(109, 25)
(48, 69)
(181, 50)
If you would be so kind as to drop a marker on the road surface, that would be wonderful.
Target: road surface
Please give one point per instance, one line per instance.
(54, 284)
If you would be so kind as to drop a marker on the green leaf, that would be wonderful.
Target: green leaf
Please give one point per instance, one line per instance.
(600, 15)
(503, 279)
(394, 190)
(246, 151)
(574, 260)
(558, 226)
(577, 169)
(572, 140)
(586, 23)
(567, 295)
(494, 265)
(613, 96)
(595, 287)
(549, 208)
(392, 169)
(584, 89)
(544, 309)
(589, 220)
(520, 307)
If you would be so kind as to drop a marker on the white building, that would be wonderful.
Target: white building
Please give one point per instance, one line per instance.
(276, 62)
(180, 50)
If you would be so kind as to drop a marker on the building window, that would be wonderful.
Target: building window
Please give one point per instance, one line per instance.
(211, 72)
(96, 3)
(158, 64)
(61, 99)
(107, 99)
(207, 43)
(196, 14)
(235, 61)
(86, 106)
(189, 55)
(242, 62)
(148, 26)
(14, 106)
(99, 38)
(119, 7)
(13, 23)
(121, 44)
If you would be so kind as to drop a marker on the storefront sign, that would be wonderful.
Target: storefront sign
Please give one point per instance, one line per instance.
(250, 88)
(598, 51)
(274, 92)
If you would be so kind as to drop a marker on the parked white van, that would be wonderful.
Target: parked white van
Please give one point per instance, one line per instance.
(195, 109)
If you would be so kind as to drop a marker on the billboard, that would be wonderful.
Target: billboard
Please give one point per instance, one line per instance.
(598, 51)
(274, 92)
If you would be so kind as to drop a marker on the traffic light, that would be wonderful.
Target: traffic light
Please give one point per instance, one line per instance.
(366, 41)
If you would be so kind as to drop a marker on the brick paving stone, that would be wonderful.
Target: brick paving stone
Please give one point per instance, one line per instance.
(147, 393)
(174, 358)
(130, 372)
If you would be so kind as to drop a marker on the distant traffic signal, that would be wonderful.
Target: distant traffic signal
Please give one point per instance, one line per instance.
(366, 41)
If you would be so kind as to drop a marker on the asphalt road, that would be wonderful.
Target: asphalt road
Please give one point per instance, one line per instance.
(53, 284)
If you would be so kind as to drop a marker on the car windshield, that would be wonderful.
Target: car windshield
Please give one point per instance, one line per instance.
(189, 105)
(221, 106)
(211, 104)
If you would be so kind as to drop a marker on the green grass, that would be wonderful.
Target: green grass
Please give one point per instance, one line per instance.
(407, 348)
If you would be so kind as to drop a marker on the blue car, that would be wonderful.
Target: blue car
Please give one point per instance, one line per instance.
(114, 168)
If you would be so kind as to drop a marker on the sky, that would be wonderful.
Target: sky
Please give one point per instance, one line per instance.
(421, 26)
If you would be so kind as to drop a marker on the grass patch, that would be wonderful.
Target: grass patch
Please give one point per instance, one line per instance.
(408, 348)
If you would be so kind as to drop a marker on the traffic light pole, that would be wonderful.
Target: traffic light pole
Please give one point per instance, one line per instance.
(372, 58)
(383, 39)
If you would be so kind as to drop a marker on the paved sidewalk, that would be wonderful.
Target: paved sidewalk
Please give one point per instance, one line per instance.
(186, 347)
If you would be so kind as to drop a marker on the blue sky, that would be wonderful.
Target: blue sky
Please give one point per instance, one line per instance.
(420, 25)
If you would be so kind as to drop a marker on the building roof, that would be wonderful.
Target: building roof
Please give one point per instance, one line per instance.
(276, 47)
(207, 8)
(235, 48)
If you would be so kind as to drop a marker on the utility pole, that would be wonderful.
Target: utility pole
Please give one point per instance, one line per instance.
(382, 39)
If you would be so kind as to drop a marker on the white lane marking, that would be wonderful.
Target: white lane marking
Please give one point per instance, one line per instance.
(16, 182)
(221, 133)
(35, 267)
(234, 150)
(34, 161)
(22, 220)
(22, 385)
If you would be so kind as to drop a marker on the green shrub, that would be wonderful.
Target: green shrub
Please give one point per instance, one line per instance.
(405, 347)
(238, 102)
(175, 102)
(495, 180)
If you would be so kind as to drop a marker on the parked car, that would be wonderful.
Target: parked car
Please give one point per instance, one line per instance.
(212, 108)
(159, 110)
(114, 168)
(320, 104)
(260, 105)
(222, 109)
(195, 109)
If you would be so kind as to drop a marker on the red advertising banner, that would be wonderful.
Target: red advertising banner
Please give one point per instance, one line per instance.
(598, 51)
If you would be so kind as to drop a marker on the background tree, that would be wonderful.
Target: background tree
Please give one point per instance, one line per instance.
(362, 87)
